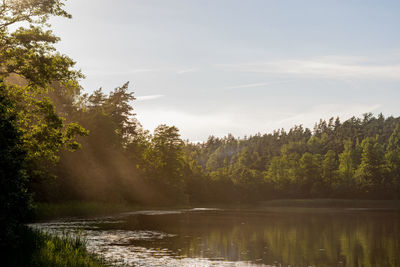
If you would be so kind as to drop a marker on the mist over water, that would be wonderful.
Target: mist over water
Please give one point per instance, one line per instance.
(214, 237)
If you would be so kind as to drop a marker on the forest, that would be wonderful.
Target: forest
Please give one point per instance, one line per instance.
(120, 161)
(59, 143)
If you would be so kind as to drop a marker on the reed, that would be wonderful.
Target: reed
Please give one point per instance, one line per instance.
(37, 249)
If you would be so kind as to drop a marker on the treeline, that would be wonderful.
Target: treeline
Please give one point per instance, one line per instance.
(357, 158)
(119, 161)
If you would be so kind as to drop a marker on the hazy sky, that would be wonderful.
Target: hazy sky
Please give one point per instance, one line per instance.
(240, 67)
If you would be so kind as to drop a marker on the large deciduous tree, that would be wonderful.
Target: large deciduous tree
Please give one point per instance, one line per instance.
(30, 67)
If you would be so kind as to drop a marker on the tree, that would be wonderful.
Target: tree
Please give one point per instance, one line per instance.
(310, 168)
(28, 56)
(284, 172)
(27, 50)
(168, 146)
(29, 66)
(118, 107)
(14, 197)
(329, 171)
(346, 170)
(392, 157)
(329, 167)
(370, 173)
(166, 158)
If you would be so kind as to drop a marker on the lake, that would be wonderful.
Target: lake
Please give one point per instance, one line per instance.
(241, 237)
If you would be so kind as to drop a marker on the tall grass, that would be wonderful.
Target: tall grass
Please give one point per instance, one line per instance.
(38, 249)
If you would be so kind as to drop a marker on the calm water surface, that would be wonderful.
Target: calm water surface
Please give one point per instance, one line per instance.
(216, 237)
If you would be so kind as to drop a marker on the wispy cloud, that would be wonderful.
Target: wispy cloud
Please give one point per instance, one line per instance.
(331, 66)
(148, 97)
(103, 72)
(251, 85)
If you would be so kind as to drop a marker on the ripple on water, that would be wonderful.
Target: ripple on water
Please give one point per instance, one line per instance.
(152, 212)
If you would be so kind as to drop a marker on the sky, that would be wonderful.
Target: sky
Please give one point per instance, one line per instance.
(213, 67)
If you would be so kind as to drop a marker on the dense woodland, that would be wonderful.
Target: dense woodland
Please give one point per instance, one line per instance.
(60, 144)
(119, 161)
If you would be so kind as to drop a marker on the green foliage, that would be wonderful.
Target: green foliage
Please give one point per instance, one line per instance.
(164, 156)
(44, 131)
(119, 160)
(42, 250)
(392, 157)
(32, 132)
(14, 198)
(310, 176)
(28, 58)
(329, 162)
(28, 50)
(371, 171)
(329, 167)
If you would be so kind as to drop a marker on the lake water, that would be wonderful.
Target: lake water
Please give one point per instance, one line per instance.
(226, 237)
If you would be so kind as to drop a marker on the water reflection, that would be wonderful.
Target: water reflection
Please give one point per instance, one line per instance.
(245, 238)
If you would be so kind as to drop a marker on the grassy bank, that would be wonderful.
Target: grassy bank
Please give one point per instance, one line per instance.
(34, 248)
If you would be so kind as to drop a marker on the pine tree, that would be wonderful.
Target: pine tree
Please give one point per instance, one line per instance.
(392, 157)
(370, 172)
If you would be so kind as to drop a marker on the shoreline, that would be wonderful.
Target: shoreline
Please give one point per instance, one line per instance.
(51, 211)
